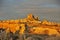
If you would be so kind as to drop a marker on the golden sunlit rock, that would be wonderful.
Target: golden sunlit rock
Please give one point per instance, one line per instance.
(33, 25)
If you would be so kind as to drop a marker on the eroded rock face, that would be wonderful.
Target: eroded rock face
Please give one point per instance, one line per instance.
(33, 25)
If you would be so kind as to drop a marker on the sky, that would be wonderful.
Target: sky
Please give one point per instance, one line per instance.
(14, 9)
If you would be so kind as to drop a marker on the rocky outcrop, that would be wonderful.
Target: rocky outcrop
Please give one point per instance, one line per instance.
(33, 24)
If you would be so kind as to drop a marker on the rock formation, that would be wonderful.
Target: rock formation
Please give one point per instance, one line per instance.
(33, 24)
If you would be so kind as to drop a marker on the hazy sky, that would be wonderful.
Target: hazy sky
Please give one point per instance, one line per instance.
(13, 9)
